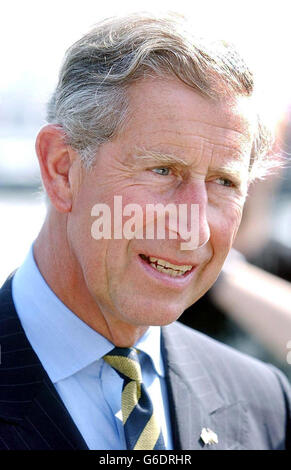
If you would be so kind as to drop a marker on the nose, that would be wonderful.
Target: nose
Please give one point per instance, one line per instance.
(193, 195)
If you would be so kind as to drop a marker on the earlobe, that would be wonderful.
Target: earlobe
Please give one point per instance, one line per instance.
(55, 161)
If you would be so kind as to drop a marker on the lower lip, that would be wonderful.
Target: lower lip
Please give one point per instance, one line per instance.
(169, 281)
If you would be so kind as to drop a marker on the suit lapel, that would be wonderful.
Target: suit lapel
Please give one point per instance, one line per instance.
(28, 399)
(194, 398)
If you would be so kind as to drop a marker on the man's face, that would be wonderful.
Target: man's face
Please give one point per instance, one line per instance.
(176, 147)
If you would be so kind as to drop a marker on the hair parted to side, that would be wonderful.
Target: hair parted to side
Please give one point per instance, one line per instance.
(90, 101)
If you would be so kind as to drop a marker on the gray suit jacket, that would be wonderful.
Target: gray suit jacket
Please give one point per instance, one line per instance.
(245, 402)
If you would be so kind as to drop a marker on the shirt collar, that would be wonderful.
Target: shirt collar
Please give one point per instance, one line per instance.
(62, 341)
(150, 343)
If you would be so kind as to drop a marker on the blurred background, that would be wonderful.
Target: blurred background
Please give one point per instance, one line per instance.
(34, 36)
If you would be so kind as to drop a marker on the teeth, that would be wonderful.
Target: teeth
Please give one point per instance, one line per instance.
(162, 262)
(169, 268)
(168, 271)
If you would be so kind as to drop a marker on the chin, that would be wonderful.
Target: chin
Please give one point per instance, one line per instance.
(156, 316)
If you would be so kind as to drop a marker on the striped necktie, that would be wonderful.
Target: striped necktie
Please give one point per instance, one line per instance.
(141, 428)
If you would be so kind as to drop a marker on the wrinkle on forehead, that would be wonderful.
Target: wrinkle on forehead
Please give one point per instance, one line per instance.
(167, 98)
(216, 135)
(206, 129)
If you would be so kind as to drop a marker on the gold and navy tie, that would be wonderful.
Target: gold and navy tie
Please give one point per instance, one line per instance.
(141, 428)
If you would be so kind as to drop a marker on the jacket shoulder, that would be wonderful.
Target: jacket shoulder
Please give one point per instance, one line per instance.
(240, 393)
(261, 388)
(221, 357)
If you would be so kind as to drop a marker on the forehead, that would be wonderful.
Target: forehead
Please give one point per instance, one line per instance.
(168, 115)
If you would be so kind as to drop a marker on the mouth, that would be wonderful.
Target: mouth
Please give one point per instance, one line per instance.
(165, 267)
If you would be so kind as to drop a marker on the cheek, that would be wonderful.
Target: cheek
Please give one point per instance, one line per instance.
(223, 226)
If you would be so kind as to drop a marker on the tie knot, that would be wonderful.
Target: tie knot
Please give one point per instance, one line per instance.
(125, 361)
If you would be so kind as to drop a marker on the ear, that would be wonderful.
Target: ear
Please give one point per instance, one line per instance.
(55, 159)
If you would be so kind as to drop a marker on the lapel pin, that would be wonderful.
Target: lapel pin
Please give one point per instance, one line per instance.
(208, 436)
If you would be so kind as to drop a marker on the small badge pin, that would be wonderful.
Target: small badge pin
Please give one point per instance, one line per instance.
(208, 436)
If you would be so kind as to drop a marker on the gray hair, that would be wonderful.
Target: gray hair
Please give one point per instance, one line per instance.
(90, 102)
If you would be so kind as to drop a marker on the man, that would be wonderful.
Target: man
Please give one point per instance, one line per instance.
(141, 112)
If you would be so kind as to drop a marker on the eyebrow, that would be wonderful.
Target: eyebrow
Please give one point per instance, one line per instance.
(160, 157)
(230, 173)
(233, 170)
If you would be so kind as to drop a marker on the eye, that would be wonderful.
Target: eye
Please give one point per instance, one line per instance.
(226, 182)
(163, 171)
